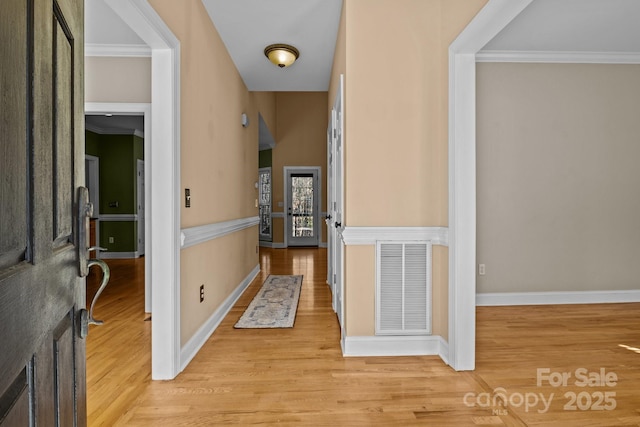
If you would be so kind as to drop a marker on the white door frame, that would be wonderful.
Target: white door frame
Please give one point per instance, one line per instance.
(495, 15)
(335, 206)
(329, 216)
(92, 169)
(94, 172)
(317, 198)
(141, 213)
(162, 177)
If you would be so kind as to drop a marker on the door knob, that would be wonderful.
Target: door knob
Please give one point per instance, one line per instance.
(86, 317)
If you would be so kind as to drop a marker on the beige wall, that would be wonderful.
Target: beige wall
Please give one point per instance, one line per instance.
(557, 177)
(219, 161)
(301, 140)
(266, 104)
(395, 58)
(109, 79)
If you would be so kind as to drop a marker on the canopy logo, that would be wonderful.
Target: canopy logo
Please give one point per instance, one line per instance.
(597, 396)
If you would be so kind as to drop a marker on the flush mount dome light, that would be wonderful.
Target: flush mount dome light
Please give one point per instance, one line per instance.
(281, 55)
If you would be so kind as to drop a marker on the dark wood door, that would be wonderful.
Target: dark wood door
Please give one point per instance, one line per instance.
(42, 357)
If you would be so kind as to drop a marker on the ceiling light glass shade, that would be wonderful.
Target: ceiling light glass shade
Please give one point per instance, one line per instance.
(281, 55)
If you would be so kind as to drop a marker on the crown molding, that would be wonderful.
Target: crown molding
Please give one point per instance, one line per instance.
(559, 57)
(138, 50)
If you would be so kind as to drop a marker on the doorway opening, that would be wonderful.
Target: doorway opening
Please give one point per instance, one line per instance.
(302, 199)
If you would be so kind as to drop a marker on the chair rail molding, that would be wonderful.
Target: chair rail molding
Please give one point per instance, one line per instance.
(371, 235)
(195, 235)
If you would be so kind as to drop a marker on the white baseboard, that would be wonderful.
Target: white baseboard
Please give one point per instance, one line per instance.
(547, 298)
(273, 245)
(379, 345)
(192, 347)
(281, 245)
(118, 255)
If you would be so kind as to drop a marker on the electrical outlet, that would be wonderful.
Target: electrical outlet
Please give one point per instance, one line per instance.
(481, 269)
(111, 239)
(187, 198)
(201, 293)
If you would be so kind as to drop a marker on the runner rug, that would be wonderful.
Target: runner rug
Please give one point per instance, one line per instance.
(275, 305)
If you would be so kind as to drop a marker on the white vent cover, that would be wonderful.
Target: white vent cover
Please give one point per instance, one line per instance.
(403, 294)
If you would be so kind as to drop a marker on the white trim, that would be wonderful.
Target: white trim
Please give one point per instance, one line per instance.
(203, 233)
(139, 50)
(424, 345)
(119, 255)
(277, 215)
(558, 57)
(118, 217)
(371, 235)
(493, 17)
(162, 227)
(550, 298)
(201, 336)
(322, 245)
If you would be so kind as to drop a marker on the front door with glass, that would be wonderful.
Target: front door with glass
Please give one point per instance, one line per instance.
(302, 226)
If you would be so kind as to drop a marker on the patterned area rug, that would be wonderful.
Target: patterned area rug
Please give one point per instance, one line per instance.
(275, 304)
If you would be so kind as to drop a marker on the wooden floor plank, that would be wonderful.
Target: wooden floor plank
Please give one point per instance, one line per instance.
(298, 376)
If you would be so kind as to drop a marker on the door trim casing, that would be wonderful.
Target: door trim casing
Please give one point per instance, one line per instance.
(163, 182)
(491, 19)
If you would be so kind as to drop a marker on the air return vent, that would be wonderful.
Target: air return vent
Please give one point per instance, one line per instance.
(403, 295)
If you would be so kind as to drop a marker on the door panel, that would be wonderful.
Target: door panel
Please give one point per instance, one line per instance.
(63, 130)
(13, 122)
(335, 206)
(42, 379)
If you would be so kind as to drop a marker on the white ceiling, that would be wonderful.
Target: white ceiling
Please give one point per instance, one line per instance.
(247, 26)
(573, 26)
(103, 27)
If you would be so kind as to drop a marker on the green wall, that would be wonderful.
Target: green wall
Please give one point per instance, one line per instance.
(264, 159)
(118, 190)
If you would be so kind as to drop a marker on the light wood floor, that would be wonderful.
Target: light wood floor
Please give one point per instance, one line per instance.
(298, 376)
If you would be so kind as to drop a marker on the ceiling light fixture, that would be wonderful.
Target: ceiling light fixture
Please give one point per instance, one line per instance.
(281, 55)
